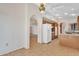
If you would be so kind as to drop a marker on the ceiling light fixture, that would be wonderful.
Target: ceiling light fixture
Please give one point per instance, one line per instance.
(66, 13)
(53, 8)
(72, 14)
(72, 9)
(59, 7)
(57, 15)
(42, 8)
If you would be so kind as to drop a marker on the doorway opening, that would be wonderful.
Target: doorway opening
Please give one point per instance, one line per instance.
(33, 32)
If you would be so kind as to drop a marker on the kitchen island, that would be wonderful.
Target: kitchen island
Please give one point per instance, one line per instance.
(70, 40)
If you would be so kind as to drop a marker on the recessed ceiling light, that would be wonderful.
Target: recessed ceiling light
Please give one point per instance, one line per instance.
(72, 9)
(54, 8)
(57, 15)
(59, 7)
(72, 14)
(66, 13)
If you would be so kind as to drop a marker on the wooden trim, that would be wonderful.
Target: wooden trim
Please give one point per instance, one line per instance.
(78, 22)
(60, 27)
(57, 30)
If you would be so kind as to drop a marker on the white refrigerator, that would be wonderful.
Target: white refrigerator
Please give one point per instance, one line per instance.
(47, 33)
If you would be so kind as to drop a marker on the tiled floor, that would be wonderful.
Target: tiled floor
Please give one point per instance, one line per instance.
(51, 49)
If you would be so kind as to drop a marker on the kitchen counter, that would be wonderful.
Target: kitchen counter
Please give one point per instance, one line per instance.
(71, 33)
(69, 40)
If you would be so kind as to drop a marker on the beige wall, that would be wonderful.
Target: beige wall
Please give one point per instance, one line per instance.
(12, 18)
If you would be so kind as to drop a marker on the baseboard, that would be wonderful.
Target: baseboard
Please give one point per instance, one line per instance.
(11, 50)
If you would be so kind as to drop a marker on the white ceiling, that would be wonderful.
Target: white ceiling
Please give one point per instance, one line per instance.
(68, 11)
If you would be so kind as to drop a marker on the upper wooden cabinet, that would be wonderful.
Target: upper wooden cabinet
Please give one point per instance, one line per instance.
(78, 22)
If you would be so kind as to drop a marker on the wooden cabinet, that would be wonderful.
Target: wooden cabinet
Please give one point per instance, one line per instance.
(78, 22)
